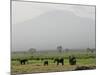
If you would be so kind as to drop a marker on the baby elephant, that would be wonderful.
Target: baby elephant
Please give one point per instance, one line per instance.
(46, 63)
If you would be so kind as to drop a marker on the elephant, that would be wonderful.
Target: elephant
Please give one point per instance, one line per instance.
(61, 60)
(46, 63)
(72, 60)
(23, 61)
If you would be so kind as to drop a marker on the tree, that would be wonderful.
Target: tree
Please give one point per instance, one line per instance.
(66, 49)
(32, 50)
(59, 48)
(93, 50)
(90, 50)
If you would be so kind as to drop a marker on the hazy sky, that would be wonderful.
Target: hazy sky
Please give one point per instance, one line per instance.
(46, 26)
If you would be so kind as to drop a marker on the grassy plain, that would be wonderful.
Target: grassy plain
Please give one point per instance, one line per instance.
(35, 64)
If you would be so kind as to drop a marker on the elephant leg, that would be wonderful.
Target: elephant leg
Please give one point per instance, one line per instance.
(57, 63)
(21, 62)
(62, 63)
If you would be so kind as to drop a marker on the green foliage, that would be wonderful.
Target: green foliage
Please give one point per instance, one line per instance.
(52, 55)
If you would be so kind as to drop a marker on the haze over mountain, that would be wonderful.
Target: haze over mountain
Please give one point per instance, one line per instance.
(54, 28)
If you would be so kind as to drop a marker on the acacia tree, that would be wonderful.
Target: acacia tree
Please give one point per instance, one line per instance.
(66, 49)
(90, 50)
(32, 50)
(59, 48)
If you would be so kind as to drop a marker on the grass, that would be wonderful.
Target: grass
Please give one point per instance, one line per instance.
(36, 66)
(31, 68)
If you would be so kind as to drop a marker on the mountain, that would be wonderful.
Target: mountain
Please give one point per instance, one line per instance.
(55, 27)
